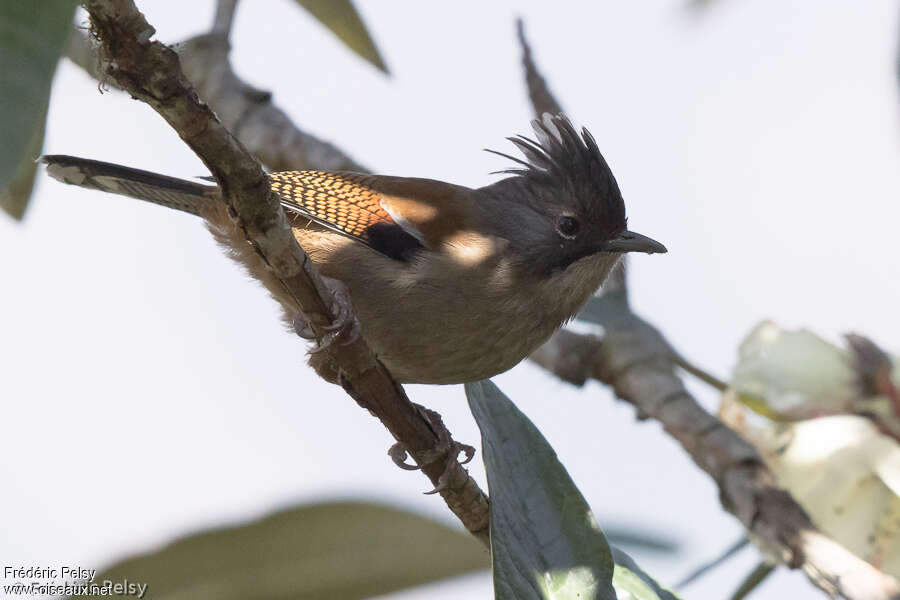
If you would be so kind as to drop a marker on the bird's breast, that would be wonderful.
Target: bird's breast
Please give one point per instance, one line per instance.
(448, 316)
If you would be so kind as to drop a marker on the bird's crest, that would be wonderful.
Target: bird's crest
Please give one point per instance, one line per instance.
(563, 159)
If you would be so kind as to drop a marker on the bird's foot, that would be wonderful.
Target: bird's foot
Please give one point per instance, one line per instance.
(345, 325)
(446, 449)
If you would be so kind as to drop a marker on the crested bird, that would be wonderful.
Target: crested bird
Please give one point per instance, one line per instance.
(449, 284)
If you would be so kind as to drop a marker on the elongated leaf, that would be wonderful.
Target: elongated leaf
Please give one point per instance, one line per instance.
(14, 197)
(545, 542)
(341, 18)
(32, 37)
(342, 551)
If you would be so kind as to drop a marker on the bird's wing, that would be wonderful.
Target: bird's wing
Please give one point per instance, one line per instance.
(391, 214)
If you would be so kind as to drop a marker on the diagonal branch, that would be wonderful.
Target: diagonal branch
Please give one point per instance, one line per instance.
(251, 116)
(247, 112)
(635, 360)
(543, 101)
(151, 72)
(639, 364)
(224, 17)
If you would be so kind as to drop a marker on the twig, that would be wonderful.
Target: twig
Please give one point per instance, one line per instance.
(224, 17)
(752, 580)
(639, 364)
(700, 374)
(543, 101)
(251, 116)
(708, 566)
(541, 98)
(247, 112)
(634, 361)
(151, 72)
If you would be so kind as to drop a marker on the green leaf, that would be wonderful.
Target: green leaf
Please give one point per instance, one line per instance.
(341, 18)
(32, 38)
(545, 542)
(14, 197)
(342, 550)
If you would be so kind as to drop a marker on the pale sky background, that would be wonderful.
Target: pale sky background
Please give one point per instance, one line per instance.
(149, 389)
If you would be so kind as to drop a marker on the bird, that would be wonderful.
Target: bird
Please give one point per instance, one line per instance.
(449, 284)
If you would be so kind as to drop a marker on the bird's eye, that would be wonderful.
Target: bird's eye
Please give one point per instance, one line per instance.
(567, 226)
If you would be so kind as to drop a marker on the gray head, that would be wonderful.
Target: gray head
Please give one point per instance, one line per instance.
(563, 203)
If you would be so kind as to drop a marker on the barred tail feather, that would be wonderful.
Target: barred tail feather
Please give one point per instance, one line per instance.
(180, 194)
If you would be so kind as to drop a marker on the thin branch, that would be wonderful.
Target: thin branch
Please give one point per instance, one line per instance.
(700, 374)
(634, 360)
(224, 17)
(247, 112)
(708, 566)
(151, 72)
(639, 364)
(752, 580)
(251, 116)
(543, 101)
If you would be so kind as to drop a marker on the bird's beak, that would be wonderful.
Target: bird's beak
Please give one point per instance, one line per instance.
(629, 241)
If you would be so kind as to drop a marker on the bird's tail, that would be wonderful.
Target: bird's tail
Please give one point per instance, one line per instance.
(180, 194)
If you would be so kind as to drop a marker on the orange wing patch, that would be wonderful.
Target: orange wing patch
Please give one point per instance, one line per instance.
(340, 201)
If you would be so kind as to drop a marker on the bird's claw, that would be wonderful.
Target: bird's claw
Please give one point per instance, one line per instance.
(345, 324)
(341, 307)
(398, 454)
(446, 449)
(452, 460)
(303, 328)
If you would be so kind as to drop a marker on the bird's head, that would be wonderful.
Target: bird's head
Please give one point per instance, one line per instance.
(563, 205)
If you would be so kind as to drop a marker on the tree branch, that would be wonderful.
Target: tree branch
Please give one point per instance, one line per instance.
(251, 116)
(151, 72)
(639, 364)
(224, 17)
(701, 374)
(634, 360)
(543, 101)
(247, 112)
